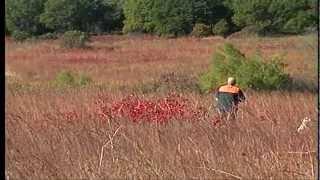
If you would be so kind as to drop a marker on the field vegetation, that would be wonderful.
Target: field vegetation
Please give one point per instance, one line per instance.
(118, 89)
(131, 107)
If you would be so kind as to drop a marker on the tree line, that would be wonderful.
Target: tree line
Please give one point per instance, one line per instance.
(160, 17)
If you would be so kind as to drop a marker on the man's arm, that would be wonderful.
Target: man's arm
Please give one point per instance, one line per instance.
(216, 95)
(241, 96)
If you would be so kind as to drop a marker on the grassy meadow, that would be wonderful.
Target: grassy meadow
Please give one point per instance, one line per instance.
(57, 132)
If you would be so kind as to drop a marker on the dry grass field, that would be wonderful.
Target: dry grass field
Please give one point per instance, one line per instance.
(54, 133)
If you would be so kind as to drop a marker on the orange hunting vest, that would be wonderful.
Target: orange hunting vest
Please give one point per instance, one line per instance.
(229, 89)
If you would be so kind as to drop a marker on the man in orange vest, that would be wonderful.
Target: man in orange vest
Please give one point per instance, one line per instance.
(228, 98)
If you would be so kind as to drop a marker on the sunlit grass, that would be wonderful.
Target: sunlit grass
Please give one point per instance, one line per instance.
(54, 132)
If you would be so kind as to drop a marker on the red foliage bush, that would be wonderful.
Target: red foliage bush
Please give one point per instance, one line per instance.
(160, 110)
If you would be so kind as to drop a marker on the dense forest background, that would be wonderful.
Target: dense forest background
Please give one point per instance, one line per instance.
(160, 17)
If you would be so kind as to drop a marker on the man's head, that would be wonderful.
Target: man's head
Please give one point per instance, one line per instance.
(231, 81)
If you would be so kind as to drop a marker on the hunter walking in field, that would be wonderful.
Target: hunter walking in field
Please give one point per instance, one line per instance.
(228, 97)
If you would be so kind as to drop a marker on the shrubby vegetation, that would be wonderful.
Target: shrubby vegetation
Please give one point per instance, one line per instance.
(161, 17)
(221, 28)
(251, 72)
(20, 36)
(201, 30)
(49, 35)
(71, 79)
(74, 39)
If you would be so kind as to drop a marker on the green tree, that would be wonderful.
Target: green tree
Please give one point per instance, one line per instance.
(171, 17)
(24, 16)
(138, 16)
(117, 13)
(60, 15)
(210, 11)
(84, 15)
(303, 19)
(273, 15)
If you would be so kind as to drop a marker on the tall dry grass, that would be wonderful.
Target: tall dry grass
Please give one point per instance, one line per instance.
(41, 142)
(56, 134)
(124, 60)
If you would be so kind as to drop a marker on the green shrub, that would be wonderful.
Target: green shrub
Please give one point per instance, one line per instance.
(83, 80)
(20, 36)
(298, 24)
(70, 79)
(46, 36)
(74, 39)
(221, 28)
(200, 30)
(250, 72)
(65, 78)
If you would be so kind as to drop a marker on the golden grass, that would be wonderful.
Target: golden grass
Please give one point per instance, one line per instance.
(263, 143)
(121, 58)
(42, 142)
